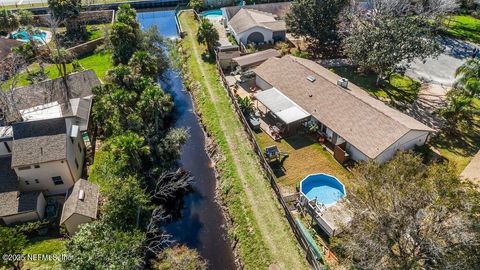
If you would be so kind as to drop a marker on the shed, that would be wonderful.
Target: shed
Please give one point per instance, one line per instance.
(254, 59)
(81, 205)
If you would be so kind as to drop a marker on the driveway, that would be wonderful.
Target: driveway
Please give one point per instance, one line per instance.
(441, 70)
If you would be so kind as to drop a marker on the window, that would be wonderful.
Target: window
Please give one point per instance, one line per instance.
(76, 162)
(36, 181)
(57, 180)
(27, 183)
(24, 168)
(79, 147)
(36, 166)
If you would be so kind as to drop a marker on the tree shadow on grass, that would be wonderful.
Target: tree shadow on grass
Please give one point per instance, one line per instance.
(465, 142)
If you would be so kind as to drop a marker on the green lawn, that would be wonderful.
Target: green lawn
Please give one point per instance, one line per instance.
(463, 27)
(42, 245)
(305, 156)
(99, 62)
(400, 89)
(260, 229)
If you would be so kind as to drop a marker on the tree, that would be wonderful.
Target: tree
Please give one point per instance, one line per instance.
(129, 147)
(68, 12)
(179, 258)
(8, 21)
(208, 35)
(11, 242)
(468, 77)
(143, 63)
(97, 246)
(196, 4)
(25, 17)
(125, 36)
(407, 215)
(394, 32)
(127, 205)
(317, 21)
(458, 109)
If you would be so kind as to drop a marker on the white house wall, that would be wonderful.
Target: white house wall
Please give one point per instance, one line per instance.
(73, 152)
(44, 175)
(242, 37)
(355, 154)
(407, 142)
(260, 83)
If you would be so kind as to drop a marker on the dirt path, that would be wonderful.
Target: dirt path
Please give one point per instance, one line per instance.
(268, 216)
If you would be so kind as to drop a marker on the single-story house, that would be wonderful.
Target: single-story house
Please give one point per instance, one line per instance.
(15, 206)
(356, 125)
(254, 59)
(80, 206)
(253, 26)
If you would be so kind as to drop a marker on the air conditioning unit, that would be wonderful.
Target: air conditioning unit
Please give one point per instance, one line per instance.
(343, 82)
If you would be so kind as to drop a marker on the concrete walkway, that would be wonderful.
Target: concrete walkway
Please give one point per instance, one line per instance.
(430, 98)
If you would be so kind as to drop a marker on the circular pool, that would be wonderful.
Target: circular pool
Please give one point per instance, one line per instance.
(323, 188)
(214, 14)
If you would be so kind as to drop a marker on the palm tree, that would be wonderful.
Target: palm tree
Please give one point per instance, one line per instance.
(468, 77)
(208, 35)
(8, 21)
(459, 109)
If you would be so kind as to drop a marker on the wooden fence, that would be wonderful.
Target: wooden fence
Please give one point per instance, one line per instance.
(311, 257)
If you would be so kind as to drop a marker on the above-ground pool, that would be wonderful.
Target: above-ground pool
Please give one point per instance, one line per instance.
(39, 36)
(326, 189)
(212, 14)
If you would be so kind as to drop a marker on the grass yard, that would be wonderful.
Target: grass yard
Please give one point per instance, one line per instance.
(463, 27)
(399, 88)
(43, 245)
(459, 149)
(260, 229)
(99, 62)
(305, 156)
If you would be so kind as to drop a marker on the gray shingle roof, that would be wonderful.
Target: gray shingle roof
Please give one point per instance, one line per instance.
(366, 123)
(86, 207)
(39, 141)
(81, 84)
(11, 200)
(255, 58)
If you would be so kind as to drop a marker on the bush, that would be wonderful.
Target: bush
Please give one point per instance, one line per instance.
(179, 258)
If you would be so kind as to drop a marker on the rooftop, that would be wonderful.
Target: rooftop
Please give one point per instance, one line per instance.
(83, 200)
(6, 46)
(255, 58)
(278, 9)
(11, 200)
(247, 18)
(282, 106)
(39, 141)
(366, 123)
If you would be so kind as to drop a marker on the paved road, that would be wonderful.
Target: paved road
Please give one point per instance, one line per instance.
(440, 70)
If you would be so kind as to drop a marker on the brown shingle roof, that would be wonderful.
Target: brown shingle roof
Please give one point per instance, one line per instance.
(255, 58)
(6, 46)
(279, 9)
(246, 19)
(86, 207)
(366, 123)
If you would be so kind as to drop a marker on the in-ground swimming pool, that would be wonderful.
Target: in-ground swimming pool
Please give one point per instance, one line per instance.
(212, 14)
(326, 189)
(39, 36)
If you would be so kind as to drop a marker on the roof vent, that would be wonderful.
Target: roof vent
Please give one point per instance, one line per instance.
(311, 78)
(81, 195)
(343, 82)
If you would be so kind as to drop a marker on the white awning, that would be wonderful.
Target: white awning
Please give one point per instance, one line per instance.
(283, 107)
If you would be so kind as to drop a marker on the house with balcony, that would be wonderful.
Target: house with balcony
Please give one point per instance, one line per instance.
(298, 92)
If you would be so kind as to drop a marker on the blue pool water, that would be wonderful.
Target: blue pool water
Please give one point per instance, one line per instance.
(212, 14)
(325, 188)
(22, 35)
(163, 19)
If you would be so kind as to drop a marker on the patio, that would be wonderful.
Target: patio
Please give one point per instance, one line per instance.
(305, 156)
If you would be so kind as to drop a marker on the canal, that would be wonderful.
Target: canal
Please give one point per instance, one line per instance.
(201, 224)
